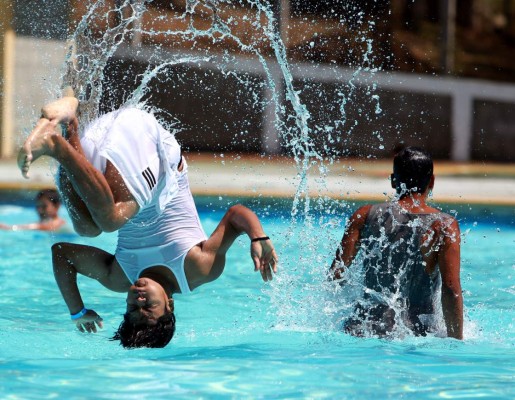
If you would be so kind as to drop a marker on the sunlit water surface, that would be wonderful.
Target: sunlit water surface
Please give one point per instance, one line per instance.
(240, 338)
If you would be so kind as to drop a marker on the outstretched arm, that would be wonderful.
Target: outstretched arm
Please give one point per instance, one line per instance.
(349, 246)
(35, 226)
(239, 220)
(69, 260)
(452, 298)
(207, 262)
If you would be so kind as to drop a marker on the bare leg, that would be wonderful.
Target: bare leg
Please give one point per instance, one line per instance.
(85, 222)
(38, 143)
(87, 182)
(61, 111)
(82, 220)
(94, 189)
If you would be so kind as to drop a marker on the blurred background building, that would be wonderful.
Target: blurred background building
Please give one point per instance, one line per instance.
(436, 73)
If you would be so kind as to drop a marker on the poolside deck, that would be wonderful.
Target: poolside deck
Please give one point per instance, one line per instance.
(348, 179)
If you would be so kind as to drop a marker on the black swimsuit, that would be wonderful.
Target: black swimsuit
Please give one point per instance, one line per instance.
(397, 287)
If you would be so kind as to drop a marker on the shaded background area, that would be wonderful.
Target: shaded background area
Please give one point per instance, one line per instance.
(411, 35)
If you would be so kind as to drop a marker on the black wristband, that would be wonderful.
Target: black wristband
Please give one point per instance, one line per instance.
(258, 239)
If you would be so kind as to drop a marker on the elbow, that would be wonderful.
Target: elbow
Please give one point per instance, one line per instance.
(235, 210)
(234, 215)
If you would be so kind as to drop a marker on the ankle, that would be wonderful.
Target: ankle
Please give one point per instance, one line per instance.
(71, 127)
(55, 145)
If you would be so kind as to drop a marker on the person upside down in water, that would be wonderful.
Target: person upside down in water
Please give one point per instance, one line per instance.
(126, 173)
(410, 253)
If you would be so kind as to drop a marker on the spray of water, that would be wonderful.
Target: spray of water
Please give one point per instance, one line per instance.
(301, 294)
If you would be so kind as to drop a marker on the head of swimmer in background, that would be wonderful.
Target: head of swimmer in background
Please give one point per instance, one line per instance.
(47, 204)
(412, 171)
(149, 320)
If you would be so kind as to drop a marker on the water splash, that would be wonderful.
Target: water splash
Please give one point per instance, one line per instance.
(88, 53)
(102, 31)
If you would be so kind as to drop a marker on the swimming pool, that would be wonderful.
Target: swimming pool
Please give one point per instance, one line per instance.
(240, 338)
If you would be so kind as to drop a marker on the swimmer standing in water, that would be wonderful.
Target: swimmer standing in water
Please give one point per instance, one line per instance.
(48, 203)
(409, 250)
(126, 173)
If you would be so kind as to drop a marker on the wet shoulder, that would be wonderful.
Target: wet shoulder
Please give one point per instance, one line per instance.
(361, 215)
(444, 225)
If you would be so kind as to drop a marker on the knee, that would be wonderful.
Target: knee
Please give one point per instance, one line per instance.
(60, 249)
(56, 247)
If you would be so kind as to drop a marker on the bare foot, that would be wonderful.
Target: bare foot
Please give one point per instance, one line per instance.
(38, 143)
(63, 110)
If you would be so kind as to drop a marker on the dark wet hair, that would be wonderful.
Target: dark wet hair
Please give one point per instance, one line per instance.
(156, 336)
(51, 194)
(412, 167)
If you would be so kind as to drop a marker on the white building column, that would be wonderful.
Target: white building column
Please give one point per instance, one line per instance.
(462, 123)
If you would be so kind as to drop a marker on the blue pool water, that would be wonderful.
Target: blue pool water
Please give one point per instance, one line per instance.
(240, 338)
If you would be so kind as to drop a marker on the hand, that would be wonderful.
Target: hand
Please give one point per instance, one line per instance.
(336, 272)
(264, 257)
(89, 321)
